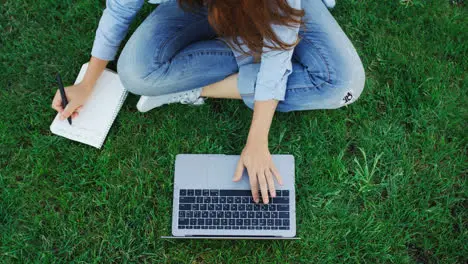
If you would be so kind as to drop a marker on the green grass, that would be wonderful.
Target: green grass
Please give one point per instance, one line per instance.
(381, 181)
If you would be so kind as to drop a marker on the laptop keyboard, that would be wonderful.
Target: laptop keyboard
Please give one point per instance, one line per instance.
(232, 210)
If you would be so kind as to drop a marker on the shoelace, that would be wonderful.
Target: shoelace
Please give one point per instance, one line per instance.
(190, 97)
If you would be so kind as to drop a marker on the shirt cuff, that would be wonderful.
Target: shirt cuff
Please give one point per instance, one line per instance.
(103, 51)
(277, 92)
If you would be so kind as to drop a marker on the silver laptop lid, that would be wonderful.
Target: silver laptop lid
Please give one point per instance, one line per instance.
(216, 172)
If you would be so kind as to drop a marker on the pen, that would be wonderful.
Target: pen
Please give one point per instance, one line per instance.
(64, 96)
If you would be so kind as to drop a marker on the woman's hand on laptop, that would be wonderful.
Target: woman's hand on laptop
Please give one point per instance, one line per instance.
(77, 95)
(257, 159)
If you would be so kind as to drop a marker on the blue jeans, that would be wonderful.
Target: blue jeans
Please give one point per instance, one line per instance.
(174, 51)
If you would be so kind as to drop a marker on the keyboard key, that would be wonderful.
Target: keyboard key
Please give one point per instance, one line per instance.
(182, 214)
(227, 227)
(237, 200)
(258, 215)
(214, 192)
(251, 228)
(199, 199)
(249, 207)
(216, 222)
(219, 227)
(193, 222)
(262, 222)
(285, 193)
(195, 207)
(266, 214)
(232, 222)
(207, 200)
(220, 214)
(282, 207)
(239, 222)
(208, 222)
(230, 200)
(243, 227)
(274, 228)
(278, 193)
(280, 200)
(211, 227)
(251, 214)
(182, 192)
(245, 200)
(256, 207)
(200, 222)
(214, 200)
(224, 221)
(213, 214)
(196, 227)
(236, 227)
(227, 214)
(204, 214)
(266, 228)
(271, 207)
(243, 215)
(255, 222)
(246, 222)
(206, 192)
(278, 222)
(225, 207)
(274, 214)
(284, 215)
(204, 227)
(181, 227)
(222, 200)
(203, 207)
(235, 193)
(270, 222)
(284, 228)
(233, 207)
(197, 214)
(187, 200)
(190, 192)
(184, 221)
(264, 207)
(189, 214)
(241, 207)
(285, 222)
(258, 228)
(184, 206)
(235, 215)
(218, 207)
(198, 192)
(211, 207)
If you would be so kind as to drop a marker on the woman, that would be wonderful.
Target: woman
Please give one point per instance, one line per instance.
(284, 55)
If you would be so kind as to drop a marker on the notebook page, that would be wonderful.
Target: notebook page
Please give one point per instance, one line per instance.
(98, 113)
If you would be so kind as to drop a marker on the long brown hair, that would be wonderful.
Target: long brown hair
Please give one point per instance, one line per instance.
(249, 21)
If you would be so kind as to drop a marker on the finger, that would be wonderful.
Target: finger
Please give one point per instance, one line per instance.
(68, 111)
(57, 102)
(74, 115)
(79, 109)
(271, 183)
(239, 171)
(263, 186)
(276, 173)
(253, 185)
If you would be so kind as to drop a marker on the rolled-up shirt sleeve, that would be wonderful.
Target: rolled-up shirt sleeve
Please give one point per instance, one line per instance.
(113, 27)
(276, 65)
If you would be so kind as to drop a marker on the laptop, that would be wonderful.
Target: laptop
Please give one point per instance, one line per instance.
(208, 204)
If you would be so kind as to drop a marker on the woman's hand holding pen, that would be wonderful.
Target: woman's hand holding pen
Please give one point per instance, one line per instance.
(77, 95)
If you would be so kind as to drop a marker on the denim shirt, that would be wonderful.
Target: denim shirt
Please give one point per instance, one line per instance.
(275, 67)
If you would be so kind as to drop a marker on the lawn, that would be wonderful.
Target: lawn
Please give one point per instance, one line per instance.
(381, 181)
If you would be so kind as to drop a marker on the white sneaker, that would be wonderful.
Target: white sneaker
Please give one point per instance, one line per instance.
(192, 97)
(329, 3)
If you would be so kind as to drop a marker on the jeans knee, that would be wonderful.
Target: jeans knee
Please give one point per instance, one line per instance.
(349, 85)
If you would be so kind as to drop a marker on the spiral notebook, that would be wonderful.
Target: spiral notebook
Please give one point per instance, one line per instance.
(98, 113)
